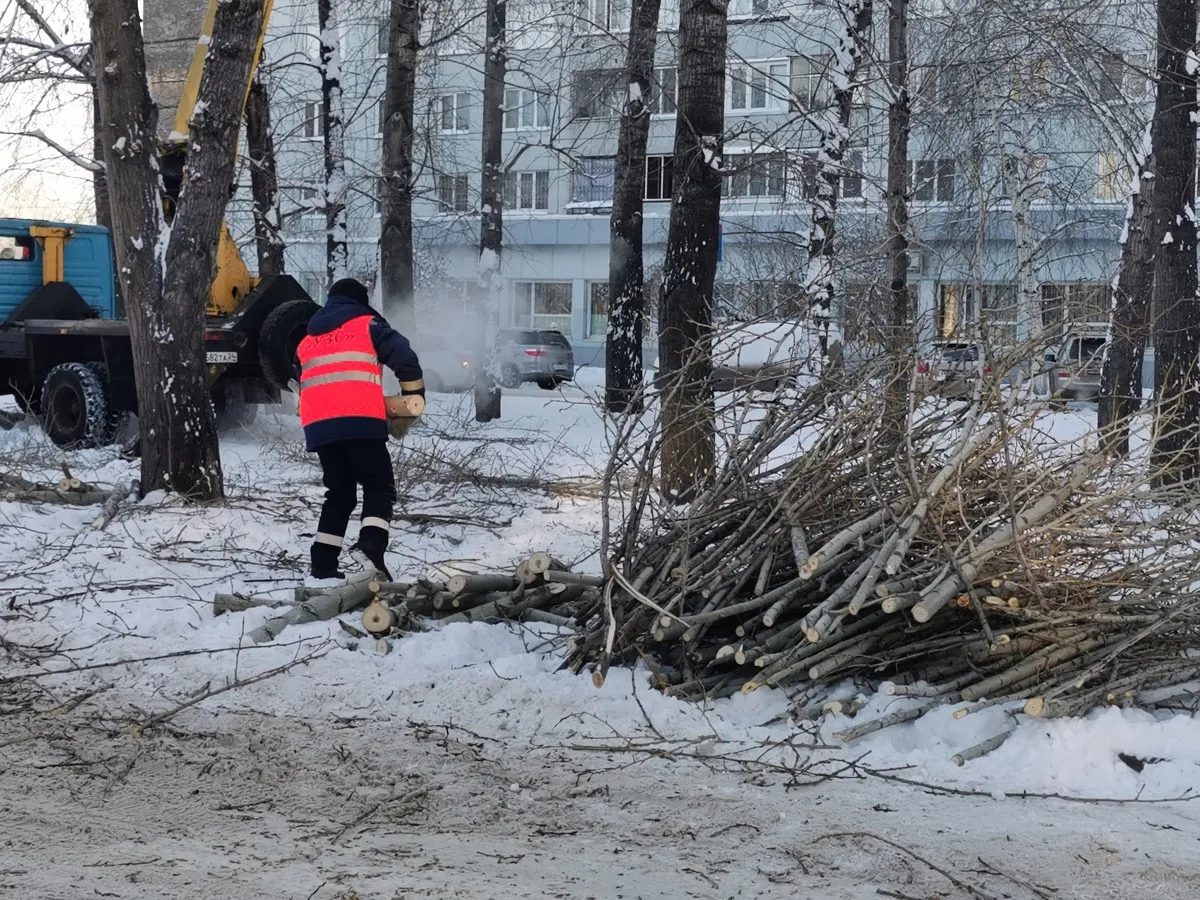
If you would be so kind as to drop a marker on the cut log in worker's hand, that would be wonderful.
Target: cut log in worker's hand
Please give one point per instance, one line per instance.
(403, 410)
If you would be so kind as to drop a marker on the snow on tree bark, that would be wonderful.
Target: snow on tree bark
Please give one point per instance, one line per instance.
(334, 140)
(856, 17)
(99, 179)
(1129, 319)
(626, 268)
(395, 227)
(690, 267)
(166, 271)
(491, 217)
(1176, 449)
(264, 180)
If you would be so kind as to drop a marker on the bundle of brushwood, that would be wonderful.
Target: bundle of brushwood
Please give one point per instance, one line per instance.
(945, 550)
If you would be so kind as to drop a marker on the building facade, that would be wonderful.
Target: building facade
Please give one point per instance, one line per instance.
(998, 118)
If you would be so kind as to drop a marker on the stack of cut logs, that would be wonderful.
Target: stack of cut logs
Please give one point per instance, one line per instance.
(541, 589)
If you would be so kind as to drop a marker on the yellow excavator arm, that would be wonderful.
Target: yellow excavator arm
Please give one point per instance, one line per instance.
(233, 280)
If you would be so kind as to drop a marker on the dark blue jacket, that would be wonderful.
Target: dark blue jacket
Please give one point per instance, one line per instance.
(393, 350)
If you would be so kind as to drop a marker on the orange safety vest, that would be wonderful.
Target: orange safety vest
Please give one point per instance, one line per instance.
(340, 375)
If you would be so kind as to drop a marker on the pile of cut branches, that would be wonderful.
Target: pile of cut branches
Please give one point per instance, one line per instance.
(946, 550)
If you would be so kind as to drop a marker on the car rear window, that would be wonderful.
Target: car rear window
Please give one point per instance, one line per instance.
(553, 337)
(1085, 349)
(519, 337)
(961, 354)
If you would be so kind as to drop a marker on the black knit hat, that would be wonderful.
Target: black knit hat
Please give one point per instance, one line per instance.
(352, 288)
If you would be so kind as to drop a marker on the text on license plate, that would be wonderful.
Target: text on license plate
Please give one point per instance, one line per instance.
(221, 356)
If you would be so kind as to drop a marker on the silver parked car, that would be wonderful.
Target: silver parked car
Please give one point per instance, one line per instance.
(1075, 366)
(952, 368)
(545, 357)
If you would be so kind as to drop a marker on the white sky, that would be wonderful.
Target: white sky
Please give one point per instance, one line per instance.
(35, 181)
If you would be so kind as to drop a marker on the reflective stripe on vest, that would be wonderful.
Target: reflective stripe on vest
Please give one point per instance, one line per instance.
(340, 374)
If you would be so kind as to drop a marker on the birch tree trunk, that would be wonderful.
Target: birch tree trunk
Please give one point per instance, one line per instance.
(1176, 450)
(1023, 185)
(1129, 320)
(896, 229)
(264, 179)
(334, 140)
(395, 227)
(626, 269)
(690, 267)
(835, 138)
(166, 272)
(491, 219)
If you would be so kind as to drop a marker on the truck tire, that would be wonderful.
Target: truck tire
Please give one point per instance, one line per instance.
(75, 406)
(280, 335)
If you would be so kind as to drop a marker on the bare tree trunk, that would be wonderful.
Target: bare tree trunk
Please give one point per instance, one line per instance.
(690, 267)
(1176, 450)
(334, 139)
(395, 227)
(626, 268)
(99, 179)
(896, 231)
(857, 16)
(491, 219)
(264, 180)
(1129, 322)
(166, 273)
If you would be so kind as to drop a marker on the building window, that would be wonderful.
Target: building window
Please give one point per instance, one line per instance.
(452, 113)
(852, 175)
(748, 300)
(527, 190)
(312, 282)
(931, 180)
(1112, 176)
(380, 188)
(545, 305)
(606, 15)
(314, 124)
(452, 193)
(811, 86)
(308, 201)
(592, 180)
(659, 184)
(1125, 78)
(597, 309)
(998, 307)
(1075, 304)
(381, 39)
(598, 94)
(957, 310)
(664, 92)
(974, 312)
(525, 109)
(757, 87)
(749, 9)
(755, 175)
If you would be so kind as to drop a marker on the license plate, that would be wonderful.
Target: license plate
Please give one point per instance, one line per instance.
(221, 356)
(560, 368)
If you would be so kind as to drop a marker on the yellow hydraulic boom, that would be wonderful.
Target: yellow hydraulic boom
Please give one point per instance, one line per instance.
(233, 280)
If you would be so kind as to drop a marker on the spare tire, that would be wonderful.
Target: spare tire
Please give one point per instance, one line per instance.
(281, 333)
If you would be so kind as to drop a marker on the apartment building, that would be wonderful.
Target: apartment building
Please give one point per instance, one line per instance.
(987, 127)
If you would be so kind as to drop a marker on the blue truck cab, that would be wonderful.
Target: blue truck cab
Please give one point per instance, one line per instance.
(87, 265)
(65, 348)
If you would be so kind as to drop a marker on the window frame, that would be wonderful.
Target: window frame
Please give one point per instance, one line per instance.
(941, 180)
(665, 164)
(528, 99)
(312, 123)
(728, 183)
(576, 174)
(514, 188)
(461, 103)
(775, 101)
(613, 90)
(657, 94)
(548, 321)
(460, 189)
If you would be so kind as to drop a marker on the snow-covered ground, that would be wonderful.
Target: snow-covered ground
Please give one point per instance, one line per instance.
(166, 759)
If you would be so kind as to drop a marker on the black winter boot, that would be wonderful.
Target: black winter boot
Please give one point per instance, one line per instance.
(324, 562)
(372, 543)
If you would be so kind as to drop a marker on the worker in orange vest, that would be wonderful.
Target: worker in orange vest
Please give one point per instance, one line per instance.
(345, 419)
